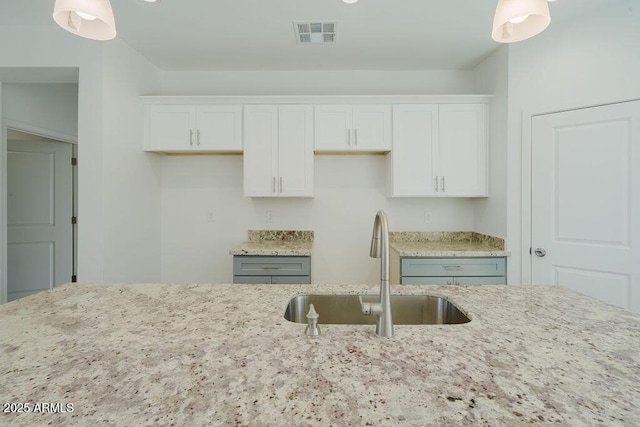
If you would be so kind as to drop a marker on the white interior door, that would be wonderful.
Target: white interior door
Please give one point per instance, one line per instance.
(586, 202)
(39, 211)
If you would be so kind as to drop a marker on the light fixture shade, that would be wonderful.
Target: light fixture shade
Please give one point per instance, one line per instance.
(72, 16)
(507, 29)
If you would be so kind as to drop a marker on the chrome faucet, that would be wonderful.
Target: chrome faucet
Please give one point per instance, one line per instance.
(380, 249)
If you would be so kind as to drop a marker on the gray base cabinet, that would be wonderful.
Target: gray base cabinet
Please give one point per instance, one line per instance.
(450, 271)
(254, 269)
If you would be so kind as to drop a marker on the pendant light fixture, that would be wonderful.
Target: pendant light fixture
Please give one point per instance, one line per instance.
(517, 20)
(92, 19)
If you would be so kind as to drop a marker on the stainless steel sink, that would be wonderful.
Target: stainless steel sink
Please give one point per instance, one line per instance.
(345, 310)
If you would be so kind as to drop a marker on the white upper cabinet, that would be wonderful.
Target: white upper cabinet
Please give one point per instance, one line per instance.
(187, 128)
(439, 150)
(365, 127)
(412, 171)
(278, 151)
(463, 149)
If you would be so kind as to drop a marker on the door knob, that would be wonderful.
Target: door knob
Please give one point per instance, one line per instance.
(540, 252)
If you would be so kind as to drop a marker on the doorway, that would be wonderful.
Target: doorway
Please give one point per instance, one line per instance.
(585, 202)
(41, 212)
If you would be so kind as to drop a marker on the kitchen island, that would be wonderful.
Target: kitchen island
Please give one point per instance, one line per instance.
(161, 354)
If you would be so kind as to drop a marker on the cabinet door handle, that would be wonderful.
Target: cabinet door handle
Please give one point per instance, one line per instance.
(456, 283)
(191, 137)
(453, 267)
(356, 136)
(198, 137)
(435, 183)
(443, 183)
(272, 267)
(448, 282)
(348, 136)
(281, 184)
(273, 187)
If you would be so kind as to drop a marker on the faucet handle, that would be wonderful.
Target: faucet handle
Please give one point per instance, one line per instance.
(369, 308)
(365, 306)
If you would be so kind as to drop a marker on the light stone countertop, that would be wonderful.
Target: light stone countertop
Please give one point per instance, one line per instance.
(160, 354)
(446, 244)
(274, 248)
(276, 243)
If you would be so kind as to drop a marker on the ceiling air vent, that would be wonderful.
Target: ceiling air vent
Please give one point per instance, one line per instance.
(315, 32)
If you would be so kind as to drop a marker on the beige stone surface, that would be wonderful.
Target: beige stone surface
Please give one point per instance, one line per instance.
(276, 243)
(446, 244)
(159, 354)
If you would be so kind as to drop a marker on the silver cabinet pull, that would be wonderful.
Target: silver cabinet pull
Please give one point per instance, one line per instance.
(273, 187)
(443, 183)
(348, 136)
(356, 135)
(456, 283)
(453, 267)
(198, 137)
(435, 183)
(281, 184)
(448, 282)
(270, 267)
(191, 137)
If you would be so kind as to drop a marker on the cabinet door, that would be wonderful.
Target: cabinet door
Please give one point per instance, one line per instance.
(333, 127)
(427, 280)
(260, 158)
(415, 137)
(372, 128)
(252, 280)
(291, 280)
(295, 151)
(498, 280)
(219, 128)
(463, 150)
(170, 128)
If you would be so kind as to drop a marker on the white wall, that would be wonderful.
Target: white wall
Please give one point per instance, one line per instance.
(348, 192)
(594, 59)
(42, 47)
(48, 106)
(131, 194)
(119, 196)
(358, 82)
(491, 76)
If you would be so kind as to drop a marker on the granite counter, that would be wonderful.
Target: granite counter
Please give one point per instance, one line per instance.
(160, 354)
(446, 244)
(275, 243)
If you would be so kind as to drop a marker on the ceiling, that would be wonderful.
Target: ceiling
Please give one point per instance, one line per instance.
(258, 34)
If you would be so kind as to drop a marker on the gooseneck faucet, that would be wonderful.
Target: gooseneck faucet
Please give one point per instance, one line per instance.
(380, 249)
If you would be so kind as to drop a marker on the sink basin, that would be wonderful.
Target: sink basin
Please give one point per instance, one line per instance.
(345, 310)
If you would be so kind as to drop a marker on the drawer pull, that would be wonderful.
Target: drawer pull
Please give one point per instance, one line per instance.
(454, 267)
(265, 267)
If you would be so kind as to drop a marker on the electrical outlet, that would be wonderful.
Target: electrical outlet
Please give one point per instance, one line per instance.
(427, 217)
(269, 216)
(211, 216)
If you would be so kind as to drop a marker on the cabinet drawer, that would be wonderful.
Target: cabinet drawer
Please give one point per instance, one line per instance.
(252, 280)
(493, 266)
(448, 280)
(271, 266)
(426, 280)
(487, 280)
(290, 280)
